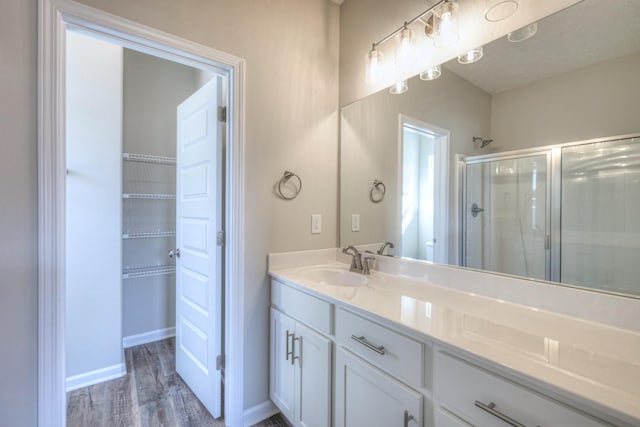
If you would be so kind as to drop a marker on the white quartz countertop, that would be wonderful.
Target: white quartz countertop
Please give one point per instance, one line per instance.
(596, 363)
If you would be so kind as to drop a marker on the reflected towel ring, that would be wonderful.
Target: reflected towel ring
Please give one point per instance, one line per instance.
(283, 181)
(377, 192)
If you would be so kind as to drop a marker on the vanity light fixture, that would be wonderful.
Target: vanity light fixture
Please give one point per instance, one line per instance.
(431, 73)
(523, 33)
(498, 10)
(471, 56)
(441, 25)
(401, 87)
(374, 66)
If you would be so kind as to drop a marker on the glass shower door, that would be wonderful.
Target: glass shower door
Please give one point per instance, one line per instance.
(600, 230)
(506, 215)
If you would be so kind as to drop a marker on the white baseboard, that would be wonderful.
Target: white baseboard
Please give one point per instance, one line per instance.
(151, 336)
(95, 377)
(258, 413)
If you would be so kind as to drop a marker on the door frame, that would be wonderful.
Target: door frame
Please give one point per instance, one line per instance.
(54, 18)
(441, 192)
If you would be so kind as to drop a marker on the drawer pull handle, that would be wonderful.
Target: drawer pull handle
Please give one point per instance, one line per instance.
(407, 418)
(362, 340)
(490, 408)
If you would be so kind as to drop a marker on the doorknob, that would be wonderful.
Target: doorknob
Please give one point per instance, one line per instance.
(175, 252)
(475, 210)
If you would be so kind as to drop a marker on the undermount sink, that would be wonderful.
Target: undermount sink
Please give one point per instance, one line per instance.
(335, 277)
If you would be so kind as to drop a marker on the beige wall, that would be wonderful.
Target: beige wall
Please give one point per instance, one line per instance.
(18, 214)
(363, 22)
(291, 49)
(562, 108)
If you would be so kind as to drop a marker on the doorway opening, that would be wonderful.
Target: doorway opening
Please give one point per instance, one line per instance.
(145, 197)
(424, 169)
(56, 19)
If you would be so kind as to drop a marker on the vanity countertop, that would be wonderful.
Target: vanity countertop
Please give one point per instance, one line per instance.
(595, 363)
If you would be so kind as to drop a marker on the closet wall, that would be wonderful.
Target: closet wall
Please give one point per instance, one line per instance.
(153, 88)
(93, 204)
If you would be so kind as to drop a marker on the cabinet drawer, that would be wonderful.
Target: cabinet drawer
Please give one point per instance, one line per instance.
(459, 385)
(306, 308)
(390, 351)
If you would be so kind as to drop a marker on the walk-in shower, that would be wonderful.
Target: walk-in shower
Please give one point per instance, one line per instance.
(567, 213)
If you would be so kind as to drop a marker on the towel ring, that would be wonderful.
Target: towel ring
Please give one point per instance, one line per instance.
(377, 192)
(283, 181)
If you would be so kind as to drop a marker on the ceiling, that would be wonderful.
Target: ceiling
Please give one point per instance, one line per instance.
(584, 34)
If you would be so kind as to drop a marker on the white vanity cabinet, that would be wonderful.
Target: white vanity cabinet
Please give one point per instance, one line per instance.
(301, 358)
(467, 394)
(366, 396)
(376, 368)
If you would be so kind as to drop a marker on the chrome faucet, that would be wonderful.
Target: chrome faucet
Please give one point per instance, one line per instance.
(384, 246)
(356, 261)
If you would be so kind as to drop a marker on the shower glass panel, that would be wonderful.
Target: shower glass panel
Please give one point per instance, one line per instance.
(507, 216)
(600, 230)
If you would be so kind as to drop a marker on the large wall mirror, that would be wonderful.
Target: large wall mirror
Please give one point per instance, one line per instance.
(526, 162)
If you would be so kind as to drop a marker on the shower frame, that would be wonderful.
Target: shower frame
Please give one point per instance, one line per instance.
(553, 194)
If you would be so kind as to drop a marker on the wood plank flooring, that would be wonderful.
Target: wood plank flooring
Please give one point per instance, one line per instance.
(150, 395)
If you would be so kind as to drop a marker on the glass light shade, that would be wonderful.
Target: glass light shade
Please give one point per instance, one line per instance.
(471, 56)
(523, 33)
(431, 73)
(498, 10)
(446, 25)
(373, 67)
(400, 87)
(405, 54)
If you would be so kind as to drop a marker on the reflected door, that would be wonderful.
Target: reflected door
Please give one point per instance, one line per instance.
(506, 216)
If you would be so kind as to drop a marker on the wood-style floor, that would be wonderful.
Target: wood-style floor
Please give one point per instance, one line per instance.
(150, 395)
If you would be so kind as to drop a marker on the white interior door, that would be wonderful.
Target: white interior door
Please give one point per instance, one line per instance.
(199, 262)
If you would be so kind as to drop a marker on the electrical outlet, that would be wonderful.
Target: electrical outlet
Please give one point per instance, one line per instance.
(316, 224)
(355, 222)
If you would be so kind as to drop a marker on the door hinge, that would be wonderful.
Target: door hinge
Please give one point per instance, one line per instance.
(220, 238)
(222, 114)
(220, 362)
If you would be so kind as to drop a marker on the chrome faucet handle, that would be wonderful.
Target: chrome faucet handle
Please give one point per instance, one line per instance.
(366, 264)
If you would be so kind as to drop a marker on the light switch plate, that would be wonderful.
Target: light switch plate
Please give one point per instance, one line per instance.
(316, 224)
(355, 222)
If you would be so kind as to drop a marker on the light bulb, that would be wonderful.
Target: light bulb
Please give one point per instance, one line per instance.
(471, 56)
(446, 27)
(404, 52)
(401, 87)
(373, 66)
(431, 73)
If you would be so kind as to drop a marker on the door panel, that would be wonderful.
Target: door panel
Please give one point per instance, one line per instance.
(282, 388)
(314, 404)
(199, 267)
(507, 216)
(365, 396)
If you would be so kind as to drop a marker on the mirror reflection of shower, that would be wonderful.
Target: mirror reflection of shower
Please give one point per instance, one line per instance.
(595, 192)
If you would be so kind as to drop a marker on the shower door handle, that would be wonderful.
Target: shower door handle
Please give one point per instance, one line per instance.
(174, 252)
(475, 210)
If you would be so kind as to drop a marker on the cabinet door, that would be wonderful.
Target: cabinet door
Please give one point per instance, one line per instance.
(313, 371)
(365, 396)
(281, 383)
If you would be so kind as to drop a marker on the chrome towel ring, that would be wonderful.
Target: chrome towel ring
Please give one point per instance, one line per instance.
(293, 189)
(377, 192)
